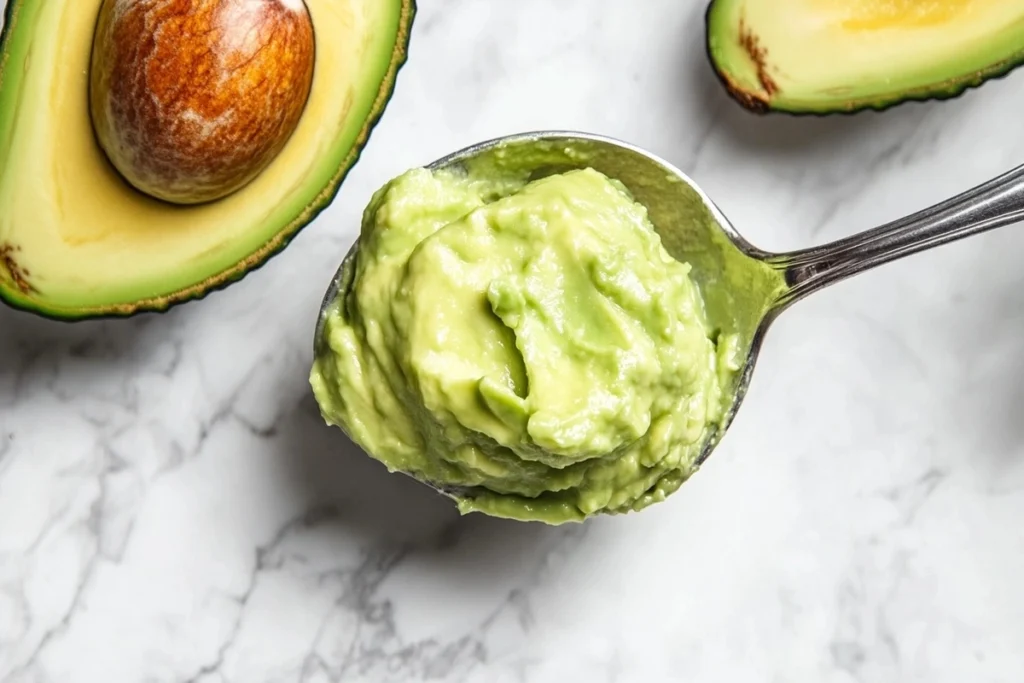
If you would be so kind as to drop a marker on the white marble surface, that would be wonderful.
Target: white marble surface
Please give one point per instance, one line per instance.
(173, 510)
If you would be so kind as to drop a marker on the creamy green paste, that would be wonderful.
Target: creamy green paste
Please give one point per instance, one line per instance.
(529, 347)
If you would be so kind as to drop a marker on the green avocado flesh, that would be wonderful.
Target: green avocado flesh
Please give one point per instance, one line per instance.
(528, 347)
(76, 241)
(822, 56)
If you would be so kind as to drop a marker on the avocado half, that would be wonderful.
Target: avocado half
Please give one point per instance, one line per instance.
(76, 241)
(826, 56)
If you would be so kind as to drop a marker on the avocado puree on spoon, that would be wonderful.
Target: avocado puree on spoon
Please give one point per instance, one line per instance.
(526, 345)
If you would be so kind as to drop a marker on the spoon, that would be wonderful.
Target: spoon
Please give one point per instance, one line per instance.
(744, 288)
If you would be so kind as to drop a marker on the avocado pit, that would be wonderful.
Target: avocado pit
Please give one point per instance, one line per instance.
(192, 99)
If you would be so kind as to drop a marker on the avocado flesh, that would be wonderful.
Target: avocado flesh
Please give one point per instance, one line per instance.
(77, 241)
(822, 56)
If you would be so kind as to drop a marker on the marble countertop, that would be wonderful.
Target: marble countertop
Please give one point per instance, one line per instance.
(174, 510)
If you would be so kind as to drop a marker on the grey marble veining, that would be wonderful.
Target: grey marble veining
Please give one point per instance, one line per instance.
(172, 508)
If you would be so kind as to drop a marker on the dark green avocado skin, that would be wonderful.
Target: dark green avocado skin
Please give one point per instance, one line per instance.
(946, 91)
(284, 239)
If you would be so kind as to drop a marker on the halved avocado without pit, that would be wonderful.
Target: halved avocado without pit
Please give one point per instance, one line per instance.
(78, 241)
(827, 56)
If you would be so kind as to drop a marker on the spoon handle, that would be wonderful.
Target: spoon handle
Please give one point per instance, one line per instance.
(990, 205)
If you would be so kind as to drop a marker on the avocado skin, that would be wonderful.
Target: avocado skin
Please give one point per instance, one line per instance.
(274, 246)
(950, 90)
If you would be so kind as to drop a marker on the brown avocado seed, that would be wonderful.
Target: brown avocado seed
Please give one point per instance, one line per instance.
(191, 99)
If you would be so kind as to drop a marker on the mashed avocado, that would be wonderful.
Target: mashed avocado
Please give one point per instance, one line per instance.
(529, 347)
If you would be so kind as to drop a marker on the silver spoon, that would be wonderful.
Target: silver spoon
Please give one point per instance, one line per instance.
(745, 289)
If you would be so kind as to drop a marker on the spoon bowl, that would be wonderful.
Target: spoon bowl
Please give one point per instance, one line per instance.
(744, 288)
